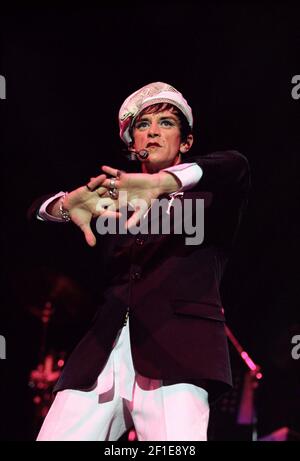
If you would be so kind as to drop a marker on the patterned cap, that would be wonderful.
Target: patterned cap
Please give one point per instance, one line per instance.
(153, 93)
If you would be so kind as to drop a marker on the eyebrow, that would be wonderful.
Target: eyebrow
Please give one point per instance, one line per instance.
(165, 117)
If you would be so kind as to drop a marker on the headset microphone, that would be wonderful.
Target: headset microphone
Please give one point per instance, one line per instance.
(136, 155)
(142, 154)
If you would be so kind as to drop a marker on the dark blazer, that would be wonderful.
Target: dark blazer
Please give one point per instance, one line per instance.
(171, 290)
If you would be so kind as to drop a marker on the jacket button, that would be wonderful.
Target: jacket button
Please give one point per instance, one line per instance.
(139, 241)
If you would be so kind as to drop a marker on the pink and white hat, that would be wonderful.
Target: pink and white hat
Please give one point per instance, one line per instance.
(153, 93)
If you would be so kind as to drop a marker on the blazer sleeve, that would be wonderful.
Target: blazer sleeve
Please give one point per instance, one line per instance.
(223, 171)
(32, 212)
(226, 181)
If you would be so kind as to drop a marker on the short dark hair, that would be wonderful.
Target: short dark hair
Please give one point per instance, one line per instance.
(185, 128)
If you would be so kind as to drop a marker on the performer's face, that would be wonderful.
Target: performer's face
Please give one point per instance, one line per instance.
(159, 133)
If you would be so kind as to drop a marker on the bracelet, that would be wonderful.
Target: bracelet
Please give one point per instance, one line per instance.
(64, 213)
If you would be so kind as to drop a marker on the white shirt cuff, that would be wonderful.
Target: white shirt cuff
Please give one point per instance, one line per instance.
(42, 213)
(189, 174)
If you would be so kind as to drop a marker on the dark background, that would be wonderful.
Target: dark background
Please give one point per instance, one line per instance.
(67, 72)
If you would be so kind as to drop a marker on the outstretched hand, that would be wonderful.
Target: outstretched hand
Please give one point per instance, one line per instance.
(136, 190)
(85, 203)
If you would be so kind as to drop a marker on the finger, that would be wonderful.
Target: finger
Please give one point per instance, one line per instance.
(106, 213)
(101, 191)
(104, 194)
(89, 236)
(111, 214)
(94, 183)
(140, 209)
(111, 171)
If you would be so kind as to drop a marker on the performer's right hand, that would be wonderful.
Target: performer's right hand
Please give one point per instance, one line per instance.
(87, 202)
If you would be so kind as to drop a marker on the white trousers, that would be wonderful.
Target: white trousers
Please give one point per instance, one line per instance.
(124, 398)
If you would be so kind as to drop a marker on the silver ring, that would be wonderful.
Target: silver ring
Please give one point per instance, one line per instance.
(112, 183)
(113, 193)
